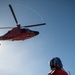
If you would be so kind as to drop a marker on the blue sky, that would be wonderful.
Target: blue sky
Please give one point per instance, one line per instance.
(56, 39)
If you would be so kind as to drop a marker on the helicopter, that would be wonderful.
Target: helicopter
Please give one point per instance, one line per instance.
(19, 32)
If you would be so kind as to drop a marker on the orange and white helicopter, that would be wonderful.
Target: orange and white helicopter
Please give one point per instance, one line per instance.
(19, 32)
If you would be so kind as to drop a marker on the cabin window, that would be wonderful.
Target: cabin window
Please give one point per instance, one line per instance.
(17, 30)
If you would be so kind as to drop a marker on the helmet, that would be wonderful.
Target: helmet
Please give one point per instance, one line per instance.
(56, 63)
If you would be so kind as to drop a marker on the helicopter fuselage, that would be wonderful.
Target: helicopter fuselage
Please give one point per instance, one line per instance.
(18, 33)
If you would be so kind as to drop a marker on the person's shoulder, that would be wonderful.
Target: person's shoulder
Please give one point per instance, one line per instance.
(62, 72)
(57, 72)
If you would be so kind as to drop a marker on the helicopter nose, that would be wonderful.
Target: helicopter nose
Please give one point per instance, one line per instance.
(36, 32)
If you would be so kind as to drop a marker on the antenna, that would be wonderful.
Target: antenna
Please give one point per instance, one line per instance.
(69, 73)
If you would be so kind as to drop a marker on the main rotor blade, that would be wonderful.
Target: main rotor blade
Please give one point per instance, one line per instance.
(6, 27)
(13, 13)
(24, 26)
(35, 25)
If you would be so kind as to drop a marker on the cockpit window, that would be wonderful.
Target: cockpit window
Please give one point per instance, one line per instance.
(28, 30)
(23, 30)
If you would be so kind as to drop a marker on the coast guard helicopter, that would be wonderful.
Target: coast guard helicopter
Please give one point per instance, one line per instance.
(19, 32)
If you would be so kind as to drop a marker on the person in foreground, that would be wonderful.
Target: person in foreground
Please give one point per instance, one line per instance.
(57, 67)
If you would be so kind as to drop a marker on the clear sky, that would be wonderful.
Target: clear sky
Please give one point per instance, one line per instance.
(56, 39)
